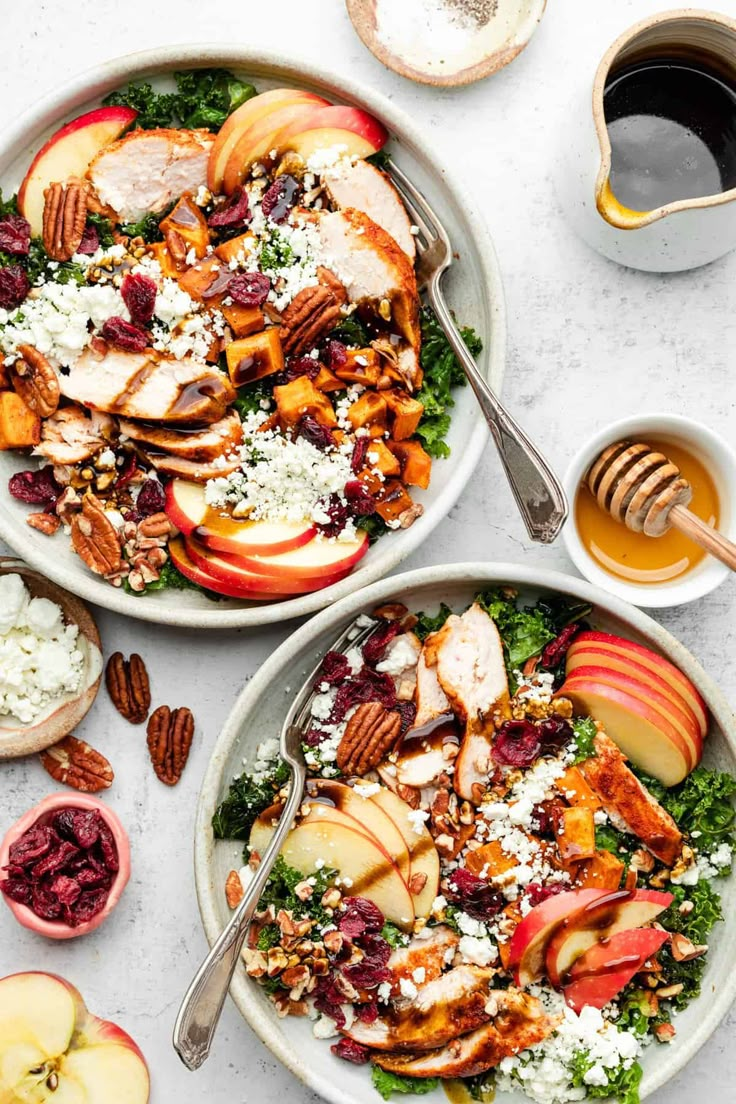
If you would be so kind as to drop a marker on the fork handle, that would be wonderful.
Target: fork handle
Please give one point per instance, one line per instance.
(201, 1008)
(537, 490)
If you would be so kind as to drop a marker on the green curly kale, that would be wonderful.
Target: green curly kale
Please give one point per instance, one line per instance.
(203, 98)
(622, 1083)
(245, 800)
(147, 227)
(524, 632)
(442, 372)
(387, 1083)
(429, 623)
(702, 806)
(103, 226)
(280, 887)
(585, 733)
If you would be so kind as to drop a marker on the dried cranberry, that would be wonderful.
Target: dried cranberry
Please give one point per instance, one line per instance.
(361, 502)
(375, 947)
(378, 641)
(360, 449)
(367, 974)
(336, 354)
(86, 826)
(32, 845)
(350, 1051)
(318, 435)
(127, 471)
(542, 821)
(125, 335)
(44, 903)
(338, 516)
(36, 488)
(14, 286)
(232, 213)
(335, 667)
(88, 905)
(554, 732)
(151, 498)
(535, 893)
(407, 711)
(280, 198)
(67, 890)
(55, 860)
(108, 849)
(17, 890)
(15, 235)
(360, 917)
(63, 823)
(302, 366)
(367, 1013)
(556, 650)
(90, 242)
(328, 1000)
(517, 744)
(249, 289)
(366, 686)
(474, 895)
(139, 295)
(92, 876)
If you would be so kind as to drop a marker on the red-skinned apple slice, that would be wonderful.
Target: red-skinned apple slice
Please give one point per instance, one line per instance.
(423, 857)
(187, 508)
(313, 562)
(359, 132)
(644, 735)
(257, 142)
(600, 919)
(655, 662)
(190, 570)
(68, 153)
(368, 817)
(53, 1049)
(236, 571)
(533, 933)
(691, 743)
(241, 120)
(601, 973)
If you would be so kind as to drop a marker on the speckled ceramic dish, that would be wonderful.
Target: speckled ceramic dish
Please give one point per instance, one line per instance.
(63, 714)
(259, 713)
(474, 291)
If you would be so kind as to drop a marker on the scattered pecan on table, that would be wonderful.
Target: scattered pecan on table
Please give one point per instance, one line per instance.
(74, 763)
(128, 686)
(170, 733)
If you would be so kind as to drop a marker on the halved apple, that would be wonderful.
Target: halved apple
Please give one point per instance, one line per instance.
(600, 919)
(531, 936)
(187, 508)
(183, 562)
(258, 142)
(311, 563)
(241, 120)
(350, 127)
(643, 733)
(655, 662)
(235, 571)
(368, 817)
(424, 870)
(601, 973)
(68, 153)
(53, 1049)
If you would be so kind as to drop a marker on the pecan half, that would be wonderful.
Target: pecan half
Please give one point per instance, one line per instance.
(370, 734)
(329, 280)
(234, 891)
(311, 314)
(64, 219)
(128, 686)
(95, 538)
(74, 763)
(36, 381)
(45, 523)
(170, 735)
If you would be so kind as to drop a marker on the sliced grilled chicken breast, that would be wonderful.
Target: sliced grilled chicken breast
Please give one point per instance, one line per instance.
(366, 188)
(468, 655)
(518, 1023)
(200, 445)
(73, 435)
(148, 169)
(431, 700)
(148, 386)
(629, 805)
(432, 955)
(451, 1005)
(197, 471)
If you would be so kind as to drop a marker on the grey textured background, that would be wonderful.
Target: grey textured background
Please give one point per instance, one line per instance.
(588, 342)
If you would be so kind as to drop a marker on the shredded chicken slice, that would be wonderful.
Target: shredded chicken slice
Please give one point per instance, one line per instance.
(148, 169)
(451, 1005)
(366, 188)
(431, 700)
(206, 444)
(72, 435)
(432, 955)
(629, 804)
(196, 470)
(518, 1022)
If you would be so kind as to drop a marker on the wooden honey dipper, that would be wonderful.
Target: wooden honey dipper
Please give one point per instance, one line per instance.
(644, 490)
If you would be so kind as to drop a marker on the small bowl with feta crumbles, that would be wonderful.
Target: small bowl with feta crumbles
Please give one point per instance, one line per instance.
(50, 661)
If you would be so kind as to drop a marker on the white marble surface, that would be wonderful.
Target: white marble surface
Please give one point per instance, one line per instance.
(588, 342)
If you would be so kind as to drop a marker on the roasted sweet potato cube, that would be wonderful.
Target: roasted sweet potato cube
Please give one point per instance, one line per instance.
(368, 410)
(406, 413)
(160, 252)
(327, 381)
(389, 377)
(602, 871)
(243, 321)
(234, 248)
(379, 458)
(187, 220)
(416, 464)
(392, 500)
(252, 358)
(372, 480)
(300, 397)
(576, 835)
(273, 421)
(491, 859)
(362, 366)
(206, 281)
(19, 426)
(575, 789)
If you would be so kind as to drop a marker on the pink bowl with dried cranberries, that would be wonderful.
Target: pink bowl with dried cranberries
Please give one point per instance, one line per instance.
(64, 865)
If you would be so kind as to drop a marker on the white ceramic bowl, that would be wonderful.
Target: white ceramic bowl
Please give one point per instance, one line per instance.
(474, 291)
(258, 714)
(720, 460)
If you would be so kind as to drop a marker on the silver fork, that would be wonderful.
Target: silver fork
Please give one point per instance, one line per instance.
(201, 1008)
(537, 490)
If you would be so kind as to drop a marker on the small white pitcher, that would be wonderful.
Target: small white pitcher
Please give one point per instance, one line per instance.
(679, 235)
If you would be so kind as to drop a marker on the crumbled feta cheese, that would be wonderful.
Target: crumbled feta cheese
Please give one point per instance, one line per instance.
(401, 655)
(57, 319)
(366, 789)
(417, 819)
(478, 951)
(419, 975)
(407, 988)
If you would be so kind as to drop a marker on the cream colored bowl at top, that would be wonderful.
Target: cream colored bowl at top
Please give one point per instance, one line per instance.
(720, 460)
(258, 715)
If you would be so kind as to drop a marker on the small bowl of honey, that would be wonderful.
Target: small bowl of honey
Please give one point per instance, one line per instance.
(653, 571)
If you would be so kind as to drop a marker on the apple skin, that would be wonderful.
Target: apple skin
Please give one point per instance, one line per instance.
(67, 153)
(533, 933)
(256, 143)
(599, 975)
(654, 662)
(368, 816)
(641, 731)
(334, 125)
(312, 563)
(614, 912)
(423, 856)
(56, 929)
(236, 571)
(182, 560)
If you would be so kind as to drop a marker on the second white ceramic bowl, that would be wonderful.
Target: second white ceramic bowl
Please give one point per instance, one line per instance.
(720, 460)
